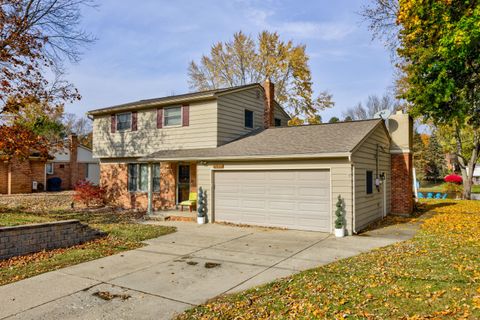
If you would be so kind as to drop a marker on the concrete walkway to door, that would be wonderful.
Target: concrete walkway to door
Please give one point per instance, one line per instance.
(180, 270)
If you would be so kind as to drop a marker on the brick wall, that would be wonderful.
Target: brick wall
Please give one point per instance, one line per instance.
(21, 240)
(402, 183)
(19, 180)
(114, 177)
(3, 178)
(63, 171)
(23, 173)
(37, 172)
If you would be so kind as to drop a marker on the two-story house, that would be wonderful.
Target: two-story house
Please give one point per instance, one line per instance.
(236, 145)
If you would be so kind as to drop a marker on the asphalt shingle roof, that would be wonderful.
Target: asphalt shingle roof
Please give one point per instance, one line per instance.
(331, 138)
(192, 95)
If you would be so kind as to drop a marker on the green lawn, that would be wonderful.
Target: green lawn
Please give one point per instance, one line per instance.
(435, 275)
(123, 234)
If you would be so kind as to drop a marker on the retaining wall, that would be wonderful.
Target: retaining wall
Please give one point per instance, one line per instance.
(30, 238)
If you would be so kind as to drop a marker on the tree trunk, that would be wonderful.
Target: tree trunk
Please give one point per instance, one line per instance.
(467, 176)
(467, 187)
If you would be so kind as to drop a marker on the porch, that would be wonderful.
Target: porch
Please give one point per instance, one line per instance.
(169, 184)
(172, 215)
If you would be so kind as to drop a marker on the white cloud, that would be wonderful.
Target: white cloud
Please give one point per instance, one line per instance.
(323, 31)
(328, 31)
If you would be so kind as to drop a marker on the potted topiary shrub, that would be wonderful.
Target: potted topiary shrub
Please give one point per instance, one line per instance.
(201, 206)
(340, 220)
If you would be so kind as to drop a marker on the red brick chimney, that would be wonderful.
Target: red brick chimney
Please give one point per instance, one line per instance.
(268, 114)
(400, 126)
(73, 160)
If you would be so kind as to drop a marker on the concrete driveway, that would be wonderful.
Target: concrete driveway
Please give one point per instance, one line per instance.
(171, 274)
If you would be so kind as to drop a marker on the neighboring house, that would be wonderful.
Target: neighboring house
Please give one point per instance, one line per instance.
(21, 176)
(476, 174)
(72, 164)
(234, 143)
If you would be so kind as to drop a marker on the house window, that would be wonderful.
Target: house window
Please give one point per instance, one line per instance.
(248, 119)
(172, 116)
(138, 177)
(49, 168)
(124, 121)
(278, 122)
(156, 177)
(369, 178)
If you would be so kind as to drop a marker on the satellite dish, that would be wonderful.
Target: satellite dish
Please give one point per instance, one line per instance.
(382, 114)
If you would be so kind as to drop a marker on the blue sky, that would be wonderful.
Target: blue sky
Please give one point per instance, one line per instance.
(144, 46)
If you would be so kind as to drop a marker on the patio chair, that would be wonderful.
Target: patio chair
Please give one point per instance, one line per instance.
(191, 202)
(438, 195)
(421, 195)
(430, 195)
(445, 195)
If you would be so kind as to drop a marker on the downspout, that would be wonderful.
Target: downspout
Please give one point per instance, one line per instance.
(150, 190)
(354, 230)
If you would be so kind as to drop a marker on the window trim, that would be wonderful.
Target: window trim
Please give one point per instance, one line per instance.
(117, 122)
(245, 119)
(46, 168)
(164, 125)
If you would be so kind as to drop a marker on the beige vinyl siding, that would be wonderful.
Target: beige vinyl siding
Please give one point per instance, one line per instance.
(369, 207)
(340, 175)
(231, 113)
(201, 133)
(280, 114)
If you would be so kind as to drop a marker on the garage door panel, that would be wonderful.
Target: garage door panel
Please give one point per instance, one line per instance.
(254, 204)
(228, 188)
(307, 175)
(282, 175)
(254, 190)
(314, 207)
(313, 192)
(280, 191)
(295, 199)
(281, 205)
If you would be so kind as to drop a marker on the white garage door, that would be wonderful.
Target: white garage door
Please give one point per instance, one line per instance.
(294, 199)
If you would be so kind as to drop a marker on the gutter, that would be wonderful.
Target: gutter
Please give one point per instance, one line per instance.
(253, 157)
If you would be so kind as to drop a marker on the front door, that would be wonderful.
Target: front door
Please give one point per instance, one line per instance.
(183, 185)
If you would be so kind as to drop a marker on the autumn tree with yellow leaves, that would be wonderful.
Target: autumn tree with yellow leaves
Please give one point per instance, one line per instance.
(437, 53)
(245, 60)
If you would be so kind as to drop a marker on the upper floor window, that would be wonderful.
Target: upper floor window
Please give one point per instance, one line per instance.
(124, 121)
(278, 122)
(172, 116)
(248, 119)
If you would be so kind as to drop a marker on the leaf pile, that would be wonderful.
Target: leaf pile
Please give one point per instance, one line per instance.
(435, 275)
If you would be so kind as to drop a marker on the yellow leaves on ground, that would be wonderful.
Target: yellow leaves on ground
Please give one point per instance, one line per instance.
(435, 275)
